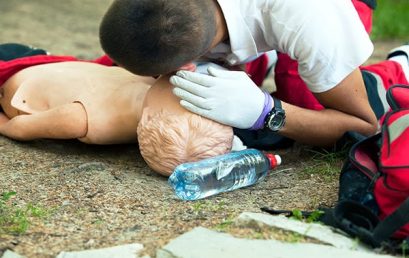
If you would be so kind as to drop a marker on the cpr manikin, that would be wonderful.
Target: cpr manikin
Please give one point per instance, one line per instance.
(101, 105)
(169, 135)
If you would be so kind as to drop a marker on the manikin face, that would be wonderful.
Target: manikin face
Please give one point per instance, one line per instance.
(160, 96)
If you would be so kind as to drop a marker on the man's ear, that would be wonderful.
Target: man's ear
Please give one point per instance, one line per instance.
(188, 67)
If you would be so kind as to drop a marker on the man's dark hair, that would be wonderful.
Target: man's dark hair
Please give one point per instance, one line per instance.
(153, 37)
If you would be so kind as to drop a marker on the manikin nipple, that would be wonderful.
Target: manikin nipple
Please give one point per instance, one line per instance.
(26, 99)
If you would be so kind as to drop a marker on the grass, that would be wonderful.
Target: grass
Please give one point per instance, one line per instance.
(405, 248)
(324, 164)
(16, 220)
(225, 225)
(255, 231)
(312, 218)
(390, 20)
(208, 205)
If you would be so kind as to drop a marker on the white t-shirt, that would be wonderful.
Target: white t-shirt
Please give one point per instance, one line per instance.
(326, 37)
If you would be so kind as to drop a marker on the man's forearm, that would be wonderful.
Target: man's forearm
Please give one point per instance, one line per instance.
(347, 109)
(321, 128)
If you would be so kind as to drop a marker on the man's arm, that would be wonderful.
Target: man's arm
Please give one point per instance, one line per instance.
(64, 122)
(347, 109)
(232, 98)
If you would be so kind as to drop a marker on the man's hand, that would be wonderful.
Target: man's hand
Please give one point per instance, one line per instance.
(228, 97)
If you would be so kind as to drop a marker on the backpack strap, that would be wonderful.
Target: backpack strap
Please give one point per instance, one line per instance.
(358, 220)
(354, 219)
(386, 228)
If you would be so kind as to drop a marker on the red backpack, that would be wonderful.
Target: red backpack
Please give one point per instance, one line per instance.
(373, 201)
(374, 183)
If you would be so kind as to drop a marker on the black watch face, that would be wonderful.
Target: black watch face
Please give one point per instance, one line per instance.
(275, 124)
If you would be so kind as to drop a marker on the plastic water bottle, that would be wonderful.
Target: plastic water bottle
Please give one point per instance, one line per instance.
(197, 180)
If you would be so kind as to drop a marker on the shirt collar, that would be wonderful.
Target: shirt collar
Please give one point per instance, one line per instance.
(243, 46)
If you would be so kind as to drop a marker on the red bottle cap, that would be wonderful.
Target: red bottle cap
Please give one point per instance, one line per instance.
(275, 160)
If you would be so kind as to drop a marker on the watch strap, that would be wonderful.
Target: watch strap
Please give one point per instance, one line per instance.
(277, 104)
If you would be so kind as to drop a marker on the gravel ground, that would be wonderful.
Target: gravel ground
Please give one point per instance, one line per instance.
(100, 196)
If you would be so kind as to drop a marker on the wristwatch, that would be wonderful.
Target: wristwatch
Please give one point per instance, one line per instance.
(275, 119)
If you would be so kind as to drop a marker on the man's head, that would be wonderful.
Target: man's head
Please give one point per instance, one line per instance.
(169, 135)
(152, 37)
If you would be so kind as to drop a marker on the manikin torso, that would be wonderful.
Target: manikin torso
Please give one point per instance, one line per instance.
(111, 96)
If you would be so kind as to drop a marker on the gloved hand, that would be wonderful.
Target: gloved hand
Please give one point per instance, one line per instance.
(228, 97)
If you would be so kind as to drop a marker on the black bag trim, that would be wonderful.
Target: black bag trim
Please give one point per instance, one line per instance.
(358, 220)
(389, 96)
(391, 224)
(385, 183)
(385, 128)
(371, 143)
(370, 3)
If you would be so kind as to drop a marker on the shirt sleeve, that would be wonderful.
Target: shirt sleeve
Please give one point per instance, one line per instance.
(328, 44)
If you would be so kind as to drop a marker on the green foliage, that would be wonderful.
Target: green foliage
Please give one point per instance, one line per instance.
(6, 196)
(208, 205)
(294, 237)
(405, 248)
(328, 156)
(313, 217)
(297, 214)
(324, 163)
(16, 220)
(225, 224)
(391, 19)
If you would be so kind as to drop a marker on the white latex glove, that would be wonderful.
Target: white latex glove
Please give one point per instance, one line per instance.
(228, 97)
(237, 144)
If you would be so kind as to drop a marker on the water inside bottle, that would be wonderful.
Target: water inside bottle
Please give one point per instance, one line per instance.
(197, 180)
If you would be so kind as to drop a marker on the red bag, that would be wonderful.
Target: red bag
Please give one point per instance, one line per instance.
(374, 183)
(392, 187)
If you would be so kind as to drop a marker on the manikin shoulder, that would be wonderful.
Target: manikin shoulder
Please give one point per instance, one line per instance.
(42, 87)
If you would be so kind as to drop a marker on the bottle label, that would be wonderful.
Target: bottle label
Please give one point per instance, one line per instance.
(223, 169)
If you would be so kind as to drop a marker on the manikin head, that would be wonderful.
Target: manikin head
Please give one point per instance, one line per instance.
(153, 37)
(169, 135)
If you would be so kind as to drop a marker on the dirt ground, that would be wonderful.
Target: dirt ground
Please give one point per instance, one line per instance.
(100, 196)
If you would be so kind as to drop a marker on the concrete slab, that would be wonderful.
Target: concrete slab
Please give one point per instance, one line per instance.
(322, 233)
(122, 251)
(205, 243)
(10, 254)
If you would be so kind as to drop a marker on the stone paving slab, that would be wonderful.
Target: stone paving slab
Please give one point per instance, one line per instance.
(10, 254)
(122, 251)
(205, 243)
(322, 233)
